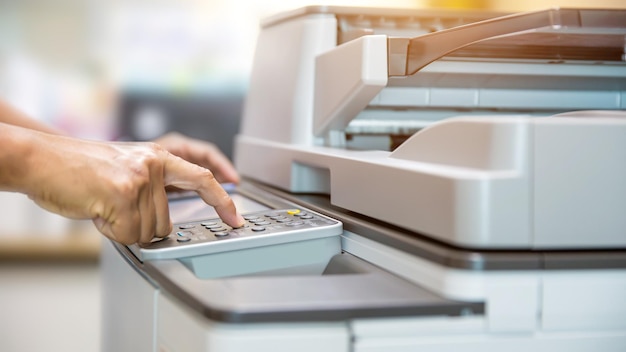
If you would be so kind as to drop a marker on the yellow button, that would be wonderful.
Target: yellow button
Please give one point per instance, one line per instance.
(293, 211)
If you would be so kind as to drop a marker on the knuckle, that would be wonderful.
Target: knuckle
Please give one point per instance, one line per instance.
(206, 174)
(128, 187)
(155, 147)
(152, 153)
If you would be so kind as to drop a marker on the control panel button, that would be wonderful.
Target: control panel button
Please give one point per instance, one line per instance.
(295, 223)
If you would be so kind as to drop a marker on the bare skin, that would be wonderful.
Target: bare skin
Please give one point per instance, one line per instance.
(201, 153)
(119, 185)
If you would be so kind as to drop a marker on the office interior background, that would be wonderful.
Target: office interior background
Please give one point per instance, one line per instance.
(124, 69)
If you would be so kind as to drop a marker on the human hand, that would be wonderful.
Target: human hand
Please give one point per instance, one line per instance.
(201, 153)
(121, 186)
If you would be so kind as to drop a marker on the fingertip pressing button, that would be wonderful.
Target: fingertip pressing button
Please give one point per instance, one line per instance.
(159, 239)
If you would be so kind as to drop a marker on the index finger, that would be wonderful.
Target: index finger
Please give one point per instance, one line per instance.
(184, 175)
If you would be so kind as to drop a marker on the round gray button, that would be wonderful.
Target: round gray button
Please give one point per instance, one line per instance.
(186, 226)
(220, 234)
(183, 239)
(257, 228)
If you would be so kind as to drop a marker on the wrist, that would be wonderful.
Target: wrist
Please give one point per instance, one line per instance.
(17, 157)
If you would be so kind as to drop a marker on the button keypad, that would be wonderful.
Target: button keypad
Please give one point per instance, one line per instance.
(261, 223)
(262, 228)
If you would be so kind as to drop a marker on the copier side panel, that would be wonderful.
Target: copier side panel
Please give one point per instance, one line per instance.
(181, 329)
(577, 341)
(584, 300)
(128, 305)
(279, 105)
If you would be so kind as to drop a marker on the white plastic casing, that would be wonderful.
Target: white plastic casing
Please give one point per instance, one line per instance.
(478, 182)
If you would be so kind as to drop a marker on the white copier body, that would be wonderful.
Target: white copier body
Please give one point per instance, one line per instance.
(496, 222)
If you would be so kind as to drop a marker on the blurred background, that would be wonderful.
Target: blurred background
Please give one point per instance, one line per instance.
(124, 69)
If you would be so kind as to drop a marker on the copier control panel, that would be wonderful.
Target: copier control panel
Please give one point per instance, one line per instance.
(262, 228)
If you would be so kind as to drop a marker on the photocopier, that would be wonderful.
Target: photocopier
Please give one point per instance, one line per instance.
(412, 180)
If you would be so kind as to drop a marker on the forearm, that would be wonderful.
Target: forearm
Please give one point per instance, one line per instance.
(16, 157)
(12, 116)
